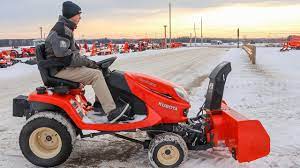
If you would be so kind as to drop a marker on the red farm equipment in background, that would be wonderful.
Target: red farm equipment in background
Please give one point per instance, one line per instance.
(126, 48)
(176, 45)
(7, 58)
(2, 60)
(293, 42)
(28, 52)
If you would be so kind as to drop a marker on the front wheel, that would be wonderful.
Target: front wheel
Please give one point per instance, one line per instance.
(167, 150)
(47, 139)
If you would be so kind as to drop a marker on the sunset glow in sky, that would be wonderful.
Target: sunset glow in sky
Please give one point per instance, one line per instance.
(144, 18)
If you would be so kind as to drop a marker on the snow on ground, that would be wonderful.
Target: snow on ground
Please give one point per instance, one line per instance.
(17, 70)
(268, 91)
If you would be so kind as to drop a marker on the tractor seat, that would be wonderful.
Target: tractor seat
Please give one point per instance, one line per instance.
(57, 85)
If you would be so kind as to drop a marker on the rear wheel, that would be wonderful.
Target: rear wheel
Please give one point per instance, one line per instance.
(167, 150)
(47, 139)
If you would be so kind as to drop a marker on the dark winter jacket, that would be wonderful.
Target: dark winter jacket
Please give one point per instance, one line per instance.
(62, 48)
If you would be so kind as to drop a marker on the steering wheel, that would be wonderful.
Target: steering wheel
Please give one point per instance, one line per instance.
(104, 64)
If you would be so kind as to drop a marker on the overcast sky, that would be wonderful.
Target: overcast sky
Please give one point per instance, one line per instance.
(138, 18)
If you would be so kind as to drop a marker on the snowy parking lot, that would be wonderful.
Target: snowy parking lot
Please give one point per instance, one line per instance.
(268, 91)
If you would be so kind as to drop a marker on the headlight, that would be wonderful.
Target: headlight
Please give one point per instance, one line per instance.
(182, 94)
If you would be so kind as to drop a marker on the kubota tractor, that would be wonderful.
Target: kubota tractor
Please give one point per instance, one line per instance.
(58, 112)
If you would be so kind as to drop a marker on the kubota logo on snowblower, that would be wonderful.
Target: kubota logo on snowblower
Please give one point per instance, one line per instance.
(167, 106)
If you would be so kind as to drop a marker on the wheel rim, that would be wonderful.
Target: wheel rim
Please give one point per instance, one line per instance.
(168, 155)
(45, 142)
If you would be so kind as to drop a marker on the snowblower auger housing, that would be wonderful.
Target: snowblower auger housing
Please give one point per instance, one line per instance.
(246, 139)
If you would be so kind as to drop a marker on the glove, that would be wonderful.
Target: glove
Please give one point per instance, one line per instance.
(78, 61)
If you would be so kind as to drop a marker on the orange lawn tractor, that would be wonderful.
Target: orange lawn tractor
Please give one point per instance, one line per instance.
(6, 59)
(176, 45)
(2, 61)
(126, 48)
(28, 52)
(293, 42)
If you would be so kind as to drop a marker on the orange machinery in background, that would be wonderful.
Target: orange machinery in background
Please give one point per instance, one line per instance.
(293, 42)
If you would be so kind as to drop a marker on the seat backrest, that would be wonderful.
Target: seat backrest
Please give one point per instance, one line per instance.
(49, 80)
(40, 56)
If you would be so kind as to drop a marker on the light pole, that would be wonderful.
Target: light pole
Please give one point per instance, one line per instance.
(170, 24)
(195, 33)
(190, 39)
(201, 33)
(41, 29)
(238, 38)
(165, 44)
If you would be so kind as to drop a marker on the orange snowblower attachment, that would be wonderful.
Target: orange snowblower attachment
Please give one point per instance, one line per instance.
(246, 139)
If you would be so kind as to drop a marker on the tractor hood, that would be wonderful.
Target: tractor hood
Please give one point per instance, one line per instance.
(159, 86)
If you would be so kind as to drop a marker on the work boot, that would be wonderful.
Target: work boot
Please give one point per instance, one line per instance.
(117, 113)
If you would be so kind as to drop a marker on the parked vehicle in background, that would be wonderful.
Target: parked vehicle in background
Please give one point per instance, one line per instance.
(7, 59)
(28, 52)
(176, 45)
(293, 42)
(2, 61)
(216, 42)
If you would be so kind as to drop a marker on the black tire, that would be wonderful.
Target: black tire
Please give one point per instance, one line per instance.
(64, 138)
(167, 150)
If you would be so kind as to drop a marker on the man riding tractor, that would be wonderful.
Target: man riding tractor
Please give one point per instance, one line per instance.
(61, 48)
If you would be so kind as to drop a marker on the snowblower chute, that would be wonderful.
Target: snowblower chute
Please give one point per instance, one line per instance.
(246, 139)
